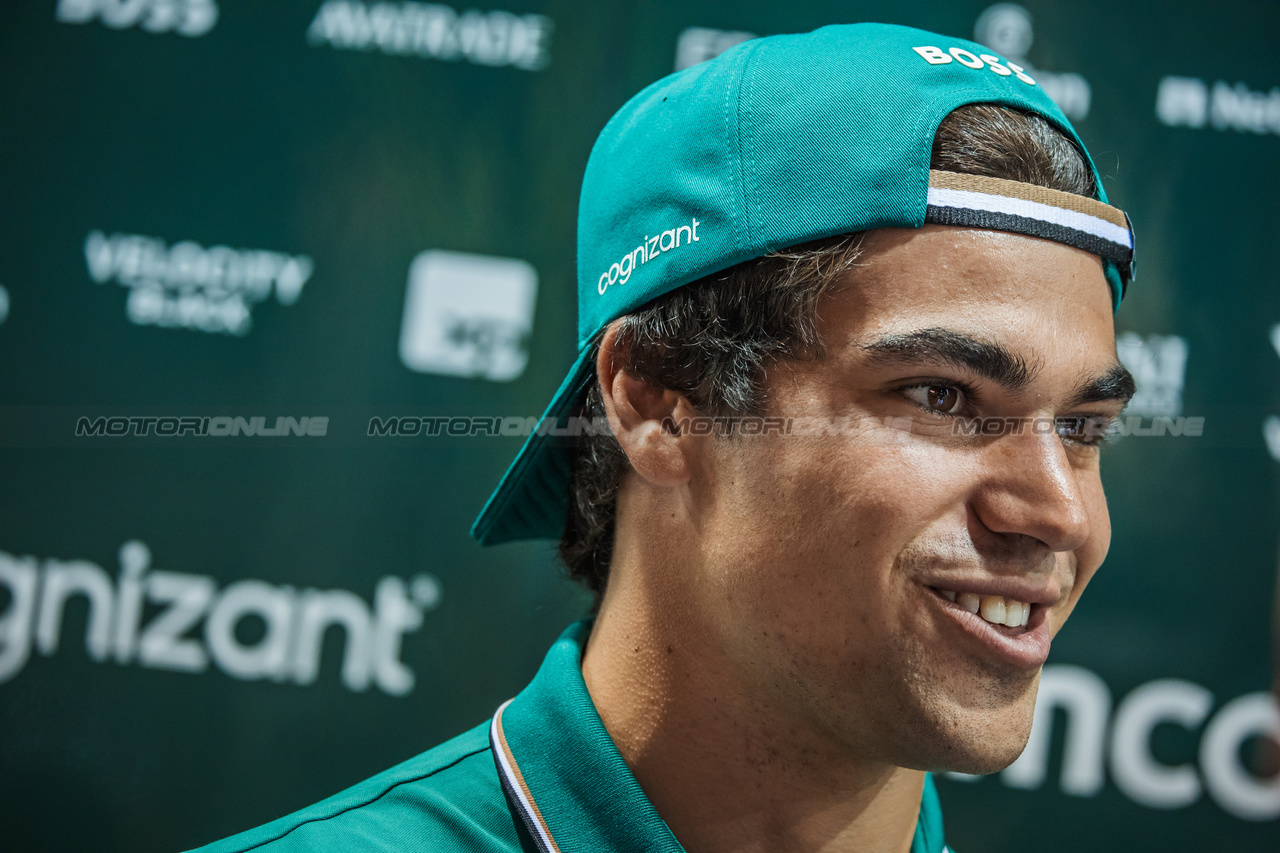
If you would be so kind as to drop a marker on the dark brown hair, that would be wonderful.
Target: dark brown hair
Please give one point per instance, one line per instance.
(713, 340)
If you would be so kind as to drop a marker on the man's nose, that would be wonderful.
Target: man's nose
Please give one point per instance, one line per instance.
(1032, 489)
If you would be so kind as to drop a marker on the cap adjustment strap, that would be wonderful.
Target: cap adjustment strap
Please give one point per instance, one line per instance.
(975, 201)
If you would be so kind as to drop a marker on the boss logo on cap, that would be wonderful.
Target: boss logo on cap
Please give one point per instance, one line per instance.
(938, 56)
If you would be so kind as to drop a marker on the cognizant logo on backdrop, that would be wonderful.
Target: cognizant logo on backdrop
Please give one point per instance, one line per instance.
(189, 286)
(189, 18)
(176, 604)
(1103, 734)
(434, 31)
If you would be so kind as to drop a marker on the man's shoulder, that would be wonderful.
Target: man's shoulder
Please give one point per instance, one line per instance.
(447, 798)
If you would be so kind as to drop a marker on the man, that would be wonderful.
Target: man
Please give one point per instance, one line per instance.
(846, 303)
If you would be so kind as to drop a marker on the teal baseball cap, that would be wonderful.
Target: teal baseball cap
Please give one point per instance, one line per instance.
(776, 142)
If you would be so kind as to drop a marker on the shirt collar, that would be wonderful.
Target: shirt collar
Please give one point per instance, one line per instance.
(567, 781)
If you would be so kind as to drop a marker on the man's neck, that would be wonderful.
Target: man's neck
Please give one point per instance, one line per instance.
(725, 773)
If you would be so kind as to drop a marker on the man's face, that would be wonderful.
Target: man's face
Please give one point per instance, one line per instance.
(832, 561)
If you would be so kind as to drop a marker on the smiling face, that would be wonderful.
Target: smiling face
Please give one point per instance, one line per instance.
(838, 572)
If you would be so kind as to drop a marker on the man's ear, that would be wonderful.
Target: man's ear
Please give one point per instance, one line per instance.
(641, 415)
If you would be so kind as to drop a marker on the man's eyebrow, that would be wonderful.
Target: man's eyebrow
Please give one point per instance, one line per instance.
(1116, 384)
(987, 359)
(993, 361)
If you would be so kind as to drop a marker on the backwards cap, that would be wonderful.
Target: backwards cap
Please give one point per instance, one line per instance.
(779, 141)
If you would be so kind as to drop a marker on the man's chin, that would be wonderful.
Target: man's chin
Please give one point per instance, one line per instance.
(977, 755)
(983, 763)
(986, 739)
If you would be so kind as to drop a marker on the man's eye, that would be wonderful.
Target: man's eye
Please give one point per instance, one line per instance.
(943, 399)
(1090, 429)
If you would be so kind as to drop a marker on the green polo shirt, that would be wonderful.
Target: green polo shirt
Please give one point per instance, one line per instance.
(542, 775)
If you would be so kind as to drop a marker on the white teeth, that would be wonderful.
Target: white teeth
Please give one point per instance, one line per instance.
(996, 609)
(993, 609)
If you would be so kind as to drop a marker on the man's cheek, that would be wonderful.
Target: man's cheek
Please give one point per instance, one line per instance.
(1084, 563)
(1082, 575)
(1095, 551)
(1059, 617)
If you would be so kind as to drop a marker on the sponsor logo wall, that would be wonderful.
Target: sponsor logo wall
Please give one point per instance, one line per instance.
(434, 31)
(289, 649)
(347, 228)
(1102, 734)
(188, 286)
(468, 315)
(191, 18)
(1190, 102)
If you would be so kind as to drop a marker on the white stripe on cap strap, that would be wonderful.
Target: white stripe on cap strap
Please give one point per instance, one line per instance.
(1031, 210)
(977, 201)
(514, 785)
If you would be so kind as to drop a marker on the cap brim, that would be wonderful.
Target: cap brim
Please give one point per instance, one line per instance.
(533, 496)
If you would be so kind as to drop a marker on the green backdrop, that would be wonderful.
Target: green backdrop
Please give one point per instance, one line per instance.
(214, 210)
